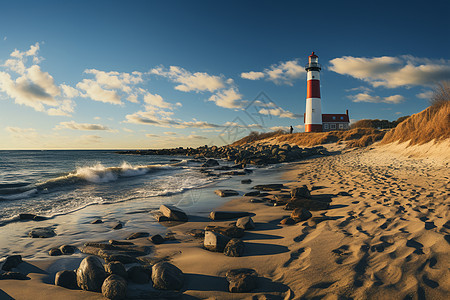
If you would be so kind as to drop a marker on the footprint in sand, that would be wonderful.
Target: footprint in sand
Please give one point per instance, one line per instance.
(415, 244)
(299, 259)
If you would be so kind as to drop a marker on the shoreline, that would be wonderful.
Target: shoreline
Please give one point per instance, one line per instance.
(385, 237)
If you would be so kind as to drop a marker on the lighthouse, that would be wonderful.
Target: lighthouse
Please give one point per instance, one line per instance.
(313, 113)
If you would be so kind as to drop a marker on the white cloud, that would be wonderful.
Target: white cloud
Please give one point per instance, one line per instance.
(81, 126)
(151, 135)
(299, 126)
(229, 98)
(94, 91)
(188, 81)
(252, 75)
(155, 100)
(170, 133)
(365, 97)
(196, 137)
(281, 73)
(23, 133)
(279, 112)
(155, 119)
(392, 72)
(276, 128)
(69, 91)
(425, 95)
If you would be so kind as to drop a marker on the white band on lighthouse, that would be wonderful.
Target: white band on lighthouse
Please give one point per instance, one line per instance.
(313, 75)
(313, 106)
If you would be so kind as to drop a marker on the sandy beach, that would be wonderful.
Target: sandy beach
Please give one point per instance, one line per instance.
(385, 236)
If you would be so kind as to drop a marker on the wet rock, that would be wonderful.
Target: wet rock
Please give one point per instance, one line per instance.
(157, 239)
(139, 274)
(242, 280)
(54, 252)
(210, 163)
(229, 231)
(66, 279)
(256, 200)
(225, 215)
(13, 275)
(137, 235)
(116, 268)
(11, 261)
(245, 223)
(117, 226)
(114, 287)
(301, 214)
(42, 232)
(268, 187)
(252, 193)
(166, 276)
(287, 221)
(67, 249)
(31, 217)
(226, 193)
(173, 213)
(162, 219)
(98, 221)
(246, 181)
(301, 192)
(91, 274)
(215, 241)
(234, 248)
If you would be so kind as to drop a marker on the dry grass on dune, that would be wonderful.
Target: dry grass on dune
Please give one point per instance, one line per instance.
(431, 124)
(256, 136)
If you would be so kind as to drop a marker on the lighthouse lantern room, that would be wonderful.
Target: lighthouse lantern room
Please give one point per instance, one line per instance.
(313, 113)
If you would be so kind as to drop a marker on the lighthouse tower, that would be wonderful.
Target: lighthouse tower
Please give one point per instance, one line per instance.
(313, 113)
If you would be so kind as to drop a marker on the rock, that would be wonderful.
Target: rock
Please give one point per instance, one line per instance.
(170, 236)
(268, 187)
(226, 193)
(42, 232)
(13, 275)
(229, 231)
(225, 215)
(26, 216)
(215, 241)
(210, 163)
(67, 249)
(307, 203)
(157, 239)
(287, 221)
(91, 274)
(245, 223)
(234, 248)
(54, 252)
(173, 213)
(246, 181)
(117, 268)
(11, 261)
(166, 276)
(118, 225)
(139, 274)
(252, 193)
(300, 214)
(137, 235)
(242, 280)
(301, 192)
(162, 219)
(66, 279)
(256, 200)
(197, 233)
(114, 287)
(123, 258)
(98, 221)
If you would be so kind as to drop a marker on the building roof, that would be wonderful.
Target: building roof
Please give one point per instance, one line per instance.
(335, 118)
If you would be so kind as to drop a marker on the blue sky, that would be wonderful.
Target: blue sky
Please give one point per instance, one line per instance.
(148, 74)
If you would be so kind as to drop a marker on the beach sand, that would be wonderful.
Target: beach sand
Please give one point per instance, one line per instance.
(387, 237)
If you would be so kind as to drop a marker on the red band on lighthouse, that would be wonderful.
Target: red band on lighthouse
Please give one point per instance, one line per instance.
(313, 89)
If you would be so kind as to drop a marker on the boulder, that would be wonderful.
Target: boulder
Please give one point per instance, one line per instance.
(123, 258)
(157, 239)
(245, 223)
(11, 261)
(242, 280)
(210, 163)
(66, 279)
(13, 275)
(67, 249)
(225, 215)
(229, 231)
(301, 192)
(91, 274)
(307, 203)
(114, 287)
(301, 214)
(268, 187)
(42, 232)
(234, 248)
(173, 213)
(55, 252)
(226, 193)
(139, 274)
(117, 268)
(137, 235)
(287, 221)
(246, 181)
(215, 241)
(252, 193)
(166, 276)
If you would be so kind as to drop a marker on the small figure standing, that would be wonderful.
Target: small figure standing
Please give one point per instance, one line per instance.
(291, 130)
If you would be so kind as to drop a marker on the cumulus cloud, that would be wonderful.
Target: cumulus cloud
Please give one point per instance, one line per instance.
(188, 81)
(392, 72)
(81, 126)
(94, 91)
(281, 73)
(365, 97)
(155, 100)
(278, 112)
(153, 118)
(425, 95)
(229, 98)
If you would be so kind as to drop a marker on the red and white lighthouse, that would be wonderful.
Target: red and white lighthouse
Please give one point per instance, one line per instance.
(313, 113)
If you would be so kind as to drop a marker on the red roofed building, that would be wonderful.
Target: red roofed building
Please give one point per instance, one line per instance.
(331, 122)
